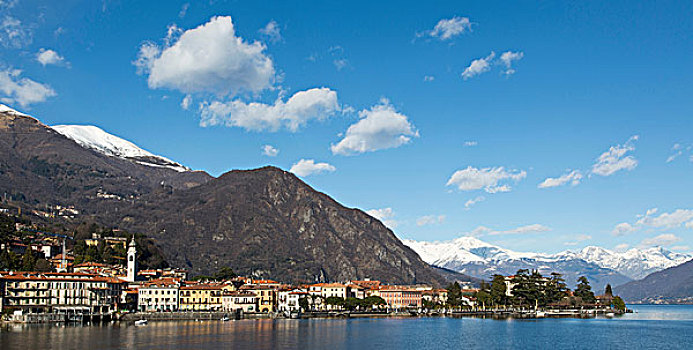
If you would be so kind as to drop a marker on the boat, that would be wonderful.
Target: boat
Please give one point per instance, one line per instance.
(141, 322)
(224, 319)
(540, 314)
(610, 314)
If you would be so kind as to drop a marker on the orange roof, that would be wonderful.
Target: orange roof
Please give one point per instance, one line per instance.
(91, 264)
(264, 282)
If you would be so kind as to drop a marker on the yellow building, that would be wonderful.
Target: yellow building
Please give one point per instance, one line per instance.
(201, 297)
(266, 296)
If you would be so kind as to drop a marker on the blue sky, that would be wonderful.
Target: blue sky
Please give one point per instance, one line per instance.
(443, 118)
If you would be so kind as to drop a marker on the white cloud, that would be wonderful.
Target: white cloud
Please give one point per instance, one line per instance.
(209, 58)
(271, 31)
(489, 179)
(615, 159)
(507, 59)
(661, 240)
(47, 56)
(527, 229)
(184, 10)
(269, 151)
(14, 34)
(468, 204)
(385, 215)
(677, 218)
(572, 177)
(340, 63)
(430, 220)
(317, 103)
(446, 29)
(478, 66)
(185, 103)
(307, 167)
(380, 127)
(470, 143)
(24, 91)
(623, 228)
(681, 248)
(429, 78)
(678, 151)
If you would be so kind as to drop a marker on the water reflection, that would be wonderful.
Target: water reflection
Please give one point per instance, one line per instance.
(630, 331)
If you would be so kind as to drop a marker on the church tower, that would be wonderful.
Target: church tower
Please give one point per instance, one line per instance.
(132, 261)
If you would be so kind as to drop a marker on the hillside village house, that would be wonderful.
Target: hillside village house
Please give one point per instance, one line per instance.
(159, 295)
(201, 297)
(244, 301)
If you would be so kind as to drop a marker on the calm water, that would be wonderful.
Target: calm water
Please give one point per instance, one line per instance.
(652, 327)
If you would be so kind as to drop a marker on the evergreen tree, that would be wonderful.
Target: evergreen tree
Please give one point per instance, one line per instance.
(608, 290)
(483, 296)
(454, 294)
(584, 291)
(28, 260)
(498, 290)
(556, 288)
(618, 303)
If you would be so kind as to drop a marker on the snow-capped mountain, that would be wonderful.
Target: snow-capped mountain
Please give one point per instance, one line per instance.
(634, 263)
(474, 257)
(94, 138)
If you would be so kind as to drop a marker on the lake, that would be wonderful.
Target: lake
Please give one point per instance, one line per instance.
(651, 327)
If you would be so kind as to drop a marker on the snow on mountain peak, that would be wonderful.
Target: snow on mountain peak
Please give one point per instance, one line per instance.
(92, 137)
(634, 263)
(9, 110)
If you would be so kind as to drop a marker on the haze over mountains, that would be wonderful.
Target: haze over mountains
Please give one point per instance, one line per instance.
(474, 257)
(264, 222)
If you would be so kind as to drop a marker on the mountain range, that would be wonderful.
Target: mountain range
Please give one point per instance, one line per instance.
(263, 222)
(474, 257)
(669, 286)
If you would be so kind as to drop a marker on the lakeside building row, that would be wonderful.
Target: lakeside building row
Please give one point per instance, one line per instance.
(96, 288)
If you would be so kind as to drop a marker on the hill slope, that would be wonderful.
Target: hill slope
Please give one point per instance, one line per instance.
(673, 285)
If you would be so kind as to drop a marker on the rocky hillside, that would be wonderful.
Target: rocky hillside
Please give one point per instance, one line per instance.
(264, 222)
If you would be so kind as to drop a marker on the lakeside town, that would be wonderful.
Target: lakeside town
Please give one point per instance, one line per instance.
(44, 281)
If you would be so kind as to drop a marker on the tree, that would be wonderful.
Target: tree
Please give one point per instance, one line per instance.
(483, 296)
(556, 288)
(454, 294)
(303, 303)
(335, 301)
(28, 260)
(224, 273)
(584, 291)
(608, 290)
(618, 303)
(498, 290)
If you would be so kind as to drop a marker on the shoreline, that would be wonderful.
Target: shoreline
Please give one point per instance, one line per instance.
(220, 316)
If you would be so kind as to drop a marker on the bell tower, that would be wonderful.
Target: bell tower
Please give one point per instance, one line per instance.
(132, 261)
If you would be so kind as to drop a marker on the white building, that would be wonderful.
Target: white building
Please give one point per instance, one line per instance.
(159, 295)
(287, 300)
(244, 301)
(132, 261)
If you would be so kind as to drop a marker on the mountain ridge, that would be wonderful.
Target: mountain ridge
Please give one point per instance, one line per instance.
(477, 258)
(263, 222)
